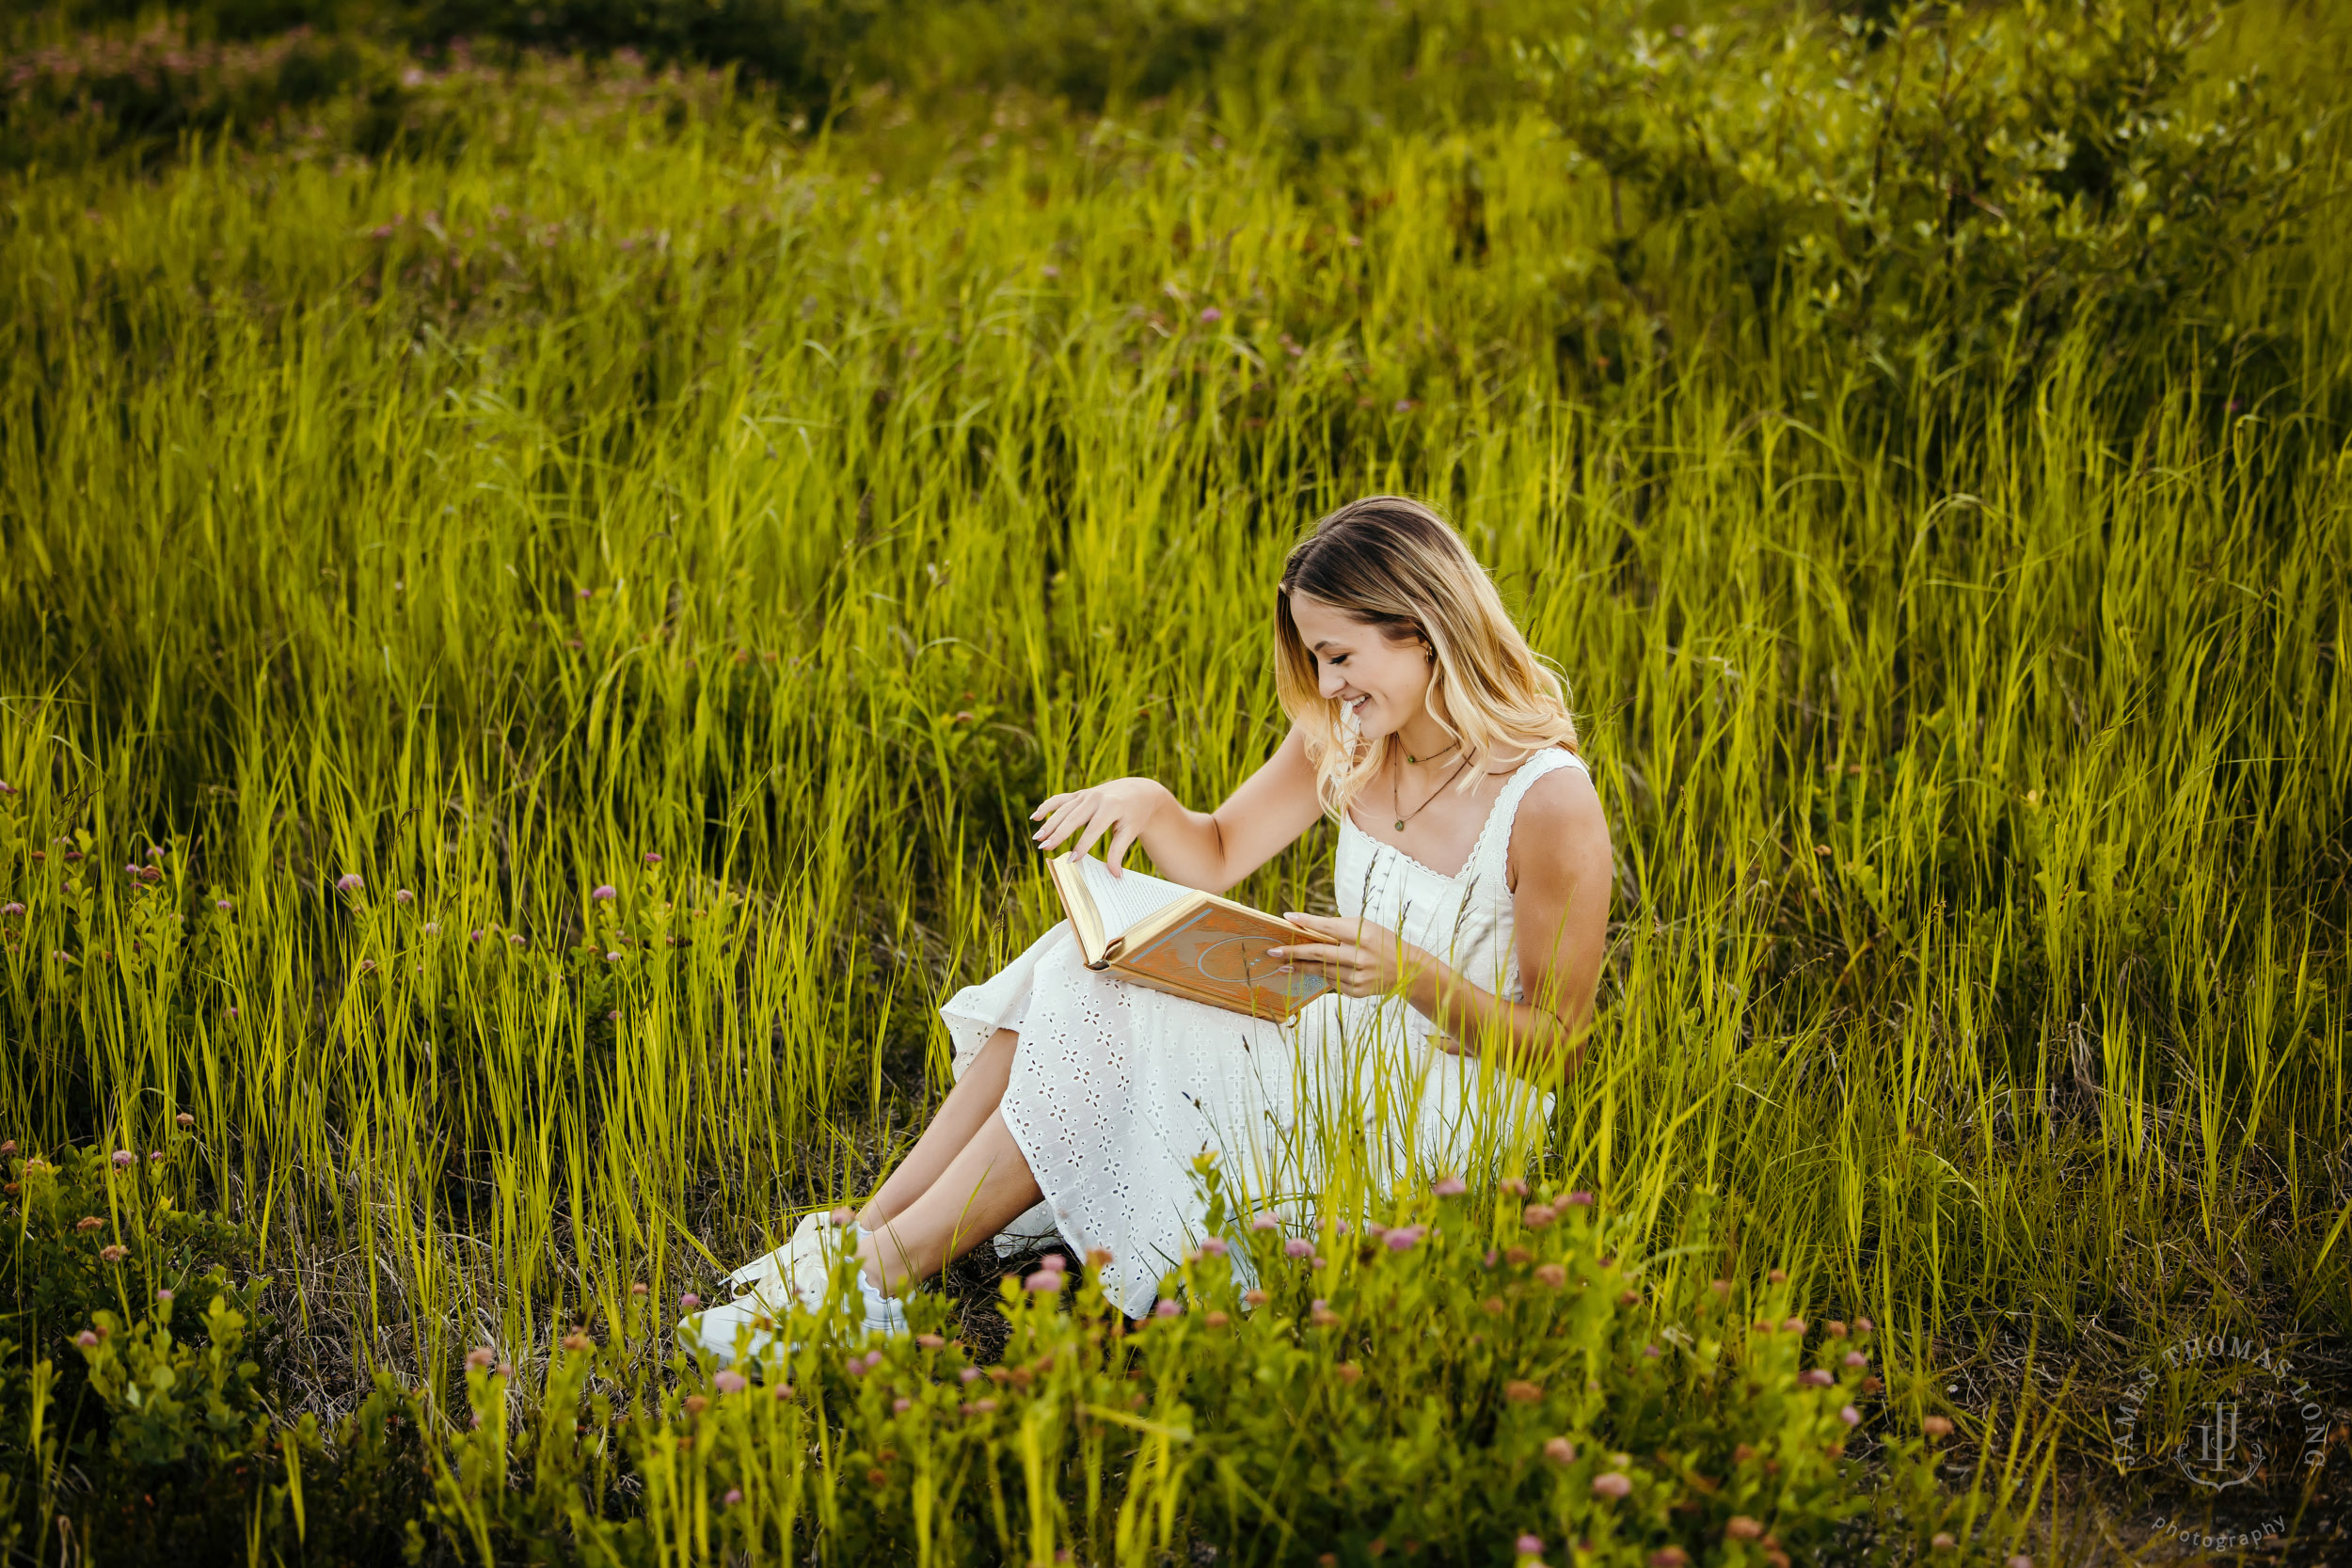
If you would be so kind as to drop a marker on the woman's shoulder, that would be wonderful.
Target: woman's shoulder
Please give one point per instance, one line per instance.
(1559, 818)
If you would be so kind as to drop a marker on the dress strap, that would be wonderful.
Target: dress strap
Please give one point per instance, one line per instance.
(1494, 847)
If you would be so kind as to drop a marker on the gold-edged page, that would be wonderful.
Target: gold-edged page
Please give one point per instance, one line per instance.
(1085, 921)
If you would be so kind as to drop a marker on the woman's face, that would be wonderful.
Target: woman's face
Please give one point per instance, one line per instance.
(1385, 684)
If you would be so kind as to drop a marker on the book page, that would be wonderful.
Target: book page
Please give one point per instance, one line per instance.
(1127, 898)
(1217, 954)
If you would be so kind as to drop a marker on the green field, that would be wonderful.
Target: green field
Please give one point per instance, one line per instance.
(744, 454)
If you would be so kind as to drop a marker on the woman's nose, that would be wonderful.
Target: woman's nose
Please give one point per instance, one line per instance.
(1331, 683)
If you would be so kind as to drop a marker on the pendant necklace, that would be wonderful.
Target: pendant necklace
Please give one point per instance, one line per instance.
(1438, 752)
(1396, 801)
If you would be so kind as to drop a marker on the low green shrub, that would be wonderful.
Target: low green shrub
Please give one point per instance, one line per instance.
(1950, 186)
(1478, 1382)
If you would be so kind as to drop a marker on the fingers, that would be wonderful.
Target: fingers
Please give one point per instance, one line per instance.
(1113, 853)
(1098, 821)
(1070, 814)
(1046, 805)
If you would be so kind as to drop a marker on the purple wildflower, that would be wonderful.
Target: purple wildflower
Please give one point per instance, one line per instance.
(1454, 1186)
(124, 1159)
(1043, 1281)
(1215, 1247)
(1852, 1417)
(1266, 1222)
(604, 892)
(1612, 1484)
(690, 1301)
(1167, 1307)
(651, 858)
(1529, 1545)
(1211, 316)
(730, 1382)
(1297, 1248)
(735, 1494)
(402, 895)
(349, 881)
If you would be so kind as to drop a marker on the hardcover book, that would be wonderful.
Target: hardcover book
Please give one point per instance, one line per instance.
(1179, 940)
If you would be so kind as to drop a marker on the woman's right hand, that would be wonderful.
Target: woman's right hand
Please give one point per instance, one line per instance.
(1120, 808)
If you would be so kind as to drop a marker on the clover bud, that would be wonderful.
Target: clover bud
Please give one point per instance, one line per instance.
(1857, 1359)
(185, 1120)
(650, 858)
(349, 882)
(604, 892)
(402, 895)
(1815, 1378)
(87, 1340)
(1266, 1222)
(481, 1358)
(1612, 1484)
(1852, 1417)
(735, 1494)
(1560, 1451)
(730, 1382)
(1297, 1248)
(124, 1159)
(1528, 1546)
(114, 1254)
(1167, 1307)
(1942, 1542)
(690, 1301)
(1215, 1247)
(1043, 1281)
(1936, 1425)
(1578, 1200)
(1451, 1186)
(969, 1375)
(1741, 1527)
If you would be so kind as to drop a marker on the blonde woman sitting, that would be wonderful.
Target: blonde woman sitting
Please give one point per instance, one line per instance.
(1472, 878)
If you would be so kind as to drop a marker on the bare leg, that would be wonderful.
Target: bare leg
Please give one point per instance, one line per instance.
(982, 1189)
(968, 1105)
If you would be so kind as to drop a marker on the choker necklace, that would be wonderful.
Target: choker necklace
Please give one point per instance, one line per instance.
(1435, 754)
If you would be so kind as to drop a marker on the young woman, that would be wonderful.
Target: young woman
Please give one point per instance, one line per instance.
(1473, 872)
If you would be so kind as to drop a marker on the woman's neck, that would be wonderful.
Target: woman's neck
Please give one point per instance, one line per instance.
(1423, 741)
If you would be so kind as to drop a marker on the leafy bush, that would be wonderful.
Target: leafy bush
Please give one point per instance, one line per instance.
(1476, 1383)
(1954, 186)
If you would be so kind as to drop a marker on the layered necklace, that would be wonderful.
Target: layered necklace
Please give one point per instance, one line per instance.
(1396, 797)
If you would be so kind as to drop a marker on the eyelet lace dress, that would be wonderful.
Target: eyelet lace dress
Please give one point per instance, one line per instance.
(1116, 1088)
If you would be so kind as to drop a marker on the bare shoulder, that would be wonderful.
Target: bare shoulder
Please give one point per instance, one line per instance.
(1559, 831)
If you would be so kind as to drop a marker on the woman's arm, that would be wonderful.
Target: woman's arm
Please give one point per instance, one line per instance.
(1560, 910)
(1210, 850)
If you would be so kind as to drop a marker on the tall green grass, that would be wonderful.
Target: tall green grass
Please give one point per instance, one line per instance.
(617, 473)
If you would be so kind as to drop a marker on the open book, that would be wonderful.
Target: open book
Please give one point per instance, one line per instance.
(1182, 941)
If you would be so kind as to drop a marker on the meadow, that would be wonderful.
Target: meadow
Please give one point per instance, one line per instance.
(545, 556)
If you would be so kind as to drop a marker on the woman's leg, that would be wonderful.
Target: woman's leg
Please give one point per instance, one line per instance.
(984, 1188)
(968, 1105)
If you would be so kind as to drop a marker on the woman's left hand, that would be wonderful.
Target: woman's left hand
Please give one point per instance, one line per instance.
(1361, 958)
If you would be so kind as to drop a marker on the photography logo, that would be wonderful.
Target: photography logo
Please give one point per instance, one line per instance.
(2248, 1430)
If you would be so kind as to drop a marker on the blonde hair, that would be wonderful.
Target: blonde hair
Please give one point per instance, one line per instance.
(1397, 566)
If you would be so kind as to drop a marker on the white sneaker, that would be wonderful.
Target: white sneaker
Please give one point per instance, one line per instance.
(802, 1266)
(800, 1272)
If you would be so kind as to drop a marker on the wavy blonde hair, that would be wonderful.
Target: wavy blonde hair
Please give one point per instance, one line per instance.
(1397, 566)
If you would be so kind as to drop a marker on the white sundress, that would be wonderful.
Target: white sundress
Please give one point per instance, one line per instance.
(1115, 1088)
